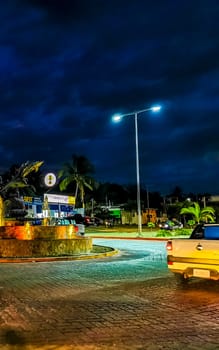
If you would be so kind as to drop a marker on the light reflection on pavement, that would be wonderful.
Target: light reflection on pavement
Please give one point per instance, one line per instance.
(124, 302)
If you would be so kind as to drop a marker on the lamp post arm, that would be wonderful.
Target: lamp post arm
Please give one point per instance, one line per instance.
(136, 112)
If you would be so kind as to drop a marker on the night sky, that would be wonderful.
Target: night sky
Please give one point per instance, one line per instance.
(67, 66)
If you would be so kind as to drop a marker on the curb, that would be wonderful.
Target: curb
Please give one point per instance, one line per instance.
(135, 238)
(112, 252)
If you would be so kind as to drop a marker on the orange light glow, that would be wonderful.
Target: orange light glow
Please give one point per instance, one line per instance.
(169, 245)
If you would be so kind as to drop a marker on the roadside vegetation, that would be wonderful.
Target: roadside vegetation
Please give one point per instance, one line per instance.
(183, 232)
(206, 214)
(76, 178)
(132, 231)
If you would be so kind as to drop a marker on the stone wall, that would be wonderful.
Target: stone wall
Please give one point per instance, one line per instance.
(38, 232)
(44, 247)
(42, 241)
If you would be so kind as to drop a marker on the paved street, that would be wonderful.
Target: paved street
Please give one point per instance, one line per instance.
(127, 302)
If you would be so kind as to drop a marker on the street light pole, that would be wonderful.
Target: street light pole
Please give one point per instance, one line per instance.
(138, 177)
(118, 118)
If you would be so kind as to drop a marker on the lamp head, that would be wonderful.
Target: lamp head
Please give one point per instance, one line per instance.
(156, 108)
(117, 118)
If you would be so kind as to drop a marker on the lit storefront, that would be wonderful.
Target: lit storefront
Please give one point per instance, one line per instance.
(58, 206)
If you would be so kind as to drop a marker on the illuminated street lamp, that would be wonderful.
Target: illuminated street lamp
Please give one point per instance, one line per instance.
(117, 118)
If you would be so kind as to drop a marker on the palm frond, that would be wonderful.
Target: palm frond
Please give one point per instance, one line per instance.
(60, 173)
(189, 210)
(16, 184)
(208, 210)
(204, 214)
(29, 168)
(88, 185)
(65, 182)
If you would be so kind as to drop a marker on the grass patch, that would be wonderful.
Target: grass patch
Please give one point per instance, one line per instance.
(100, 249)
(186, 232)
(131, 231)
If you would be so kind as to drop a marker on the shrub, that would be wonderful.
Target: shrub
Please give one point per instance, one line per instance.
(164, 233)
(151, 224)
(191, 223)
(183, 232)
(174, 233)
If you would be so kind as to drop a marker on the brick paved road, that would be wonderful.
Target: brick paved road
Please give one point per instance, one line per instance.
(88, 305)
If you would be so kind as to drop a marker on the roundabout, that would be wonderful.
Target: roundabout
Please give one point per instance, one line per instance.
(38, 242)
(47, 243)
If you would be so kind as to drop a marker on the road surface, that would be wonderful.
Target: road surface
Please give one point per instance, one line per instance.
(126, 302)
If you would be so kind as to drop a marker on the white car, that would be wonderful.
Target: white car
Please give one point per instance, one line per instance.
(170, 225)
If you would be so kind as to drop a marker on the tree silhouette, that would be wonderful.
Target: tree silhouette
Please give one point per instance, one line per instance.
(79, 173)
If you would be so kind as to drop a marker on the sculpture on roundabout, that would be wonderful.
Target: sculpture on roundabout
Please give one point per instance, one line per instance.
(19, 238)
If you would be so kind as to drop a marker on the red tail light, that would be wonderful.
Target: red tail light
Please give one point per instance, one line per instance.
(169, 245)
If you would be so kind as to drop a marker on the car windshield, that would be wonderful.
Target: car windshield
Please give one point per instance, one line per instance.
(198, 232)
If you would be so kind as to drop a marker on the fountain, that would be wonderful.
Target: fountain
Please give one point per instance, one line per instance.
(28, 241)
(2, 219)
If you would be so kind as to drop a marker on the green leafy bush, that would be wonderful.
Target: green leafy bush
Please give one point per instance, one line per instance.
(174, 233)
(151, 224)
(183, 232)
(191, 223)
(164, 233)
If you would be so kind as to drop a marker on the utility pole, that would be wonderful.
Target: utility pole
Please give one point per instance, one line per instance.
(148, 207)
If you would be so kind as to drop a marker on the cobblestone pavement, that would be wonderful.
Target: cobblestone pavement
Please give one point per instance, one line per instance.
(61, 305)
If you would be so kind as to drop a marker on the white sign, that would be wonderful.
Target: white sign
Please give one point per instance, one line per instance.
(56, 198)
(50, 179)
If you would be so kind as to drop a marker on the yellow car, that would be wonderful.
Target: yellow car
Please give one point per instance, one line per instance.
(197, 256)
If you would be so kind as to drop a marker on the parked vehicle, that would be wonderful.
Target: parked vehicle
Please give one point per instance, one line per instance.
(78, 218)
(170, 225)
(109, 222)
(92, 221)
(79, 228)
(64, 221)
(197, 256)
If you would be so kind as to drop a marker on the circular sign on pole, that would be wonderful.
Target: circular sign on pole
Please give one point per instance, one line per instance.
(50, 179)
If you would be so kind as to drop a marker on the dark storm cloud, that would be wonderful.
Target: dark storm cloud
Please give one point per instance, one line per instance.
(67, 66)
(66, 10)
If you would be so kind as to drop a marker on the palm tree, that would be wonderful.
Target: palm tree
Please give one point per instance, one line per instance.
(77, 172)
(15, 180)
(207, 214)
(19, 178)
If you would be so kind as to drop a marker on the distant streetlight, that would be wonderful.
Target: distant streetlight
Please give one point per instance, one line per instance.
(118, 118)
